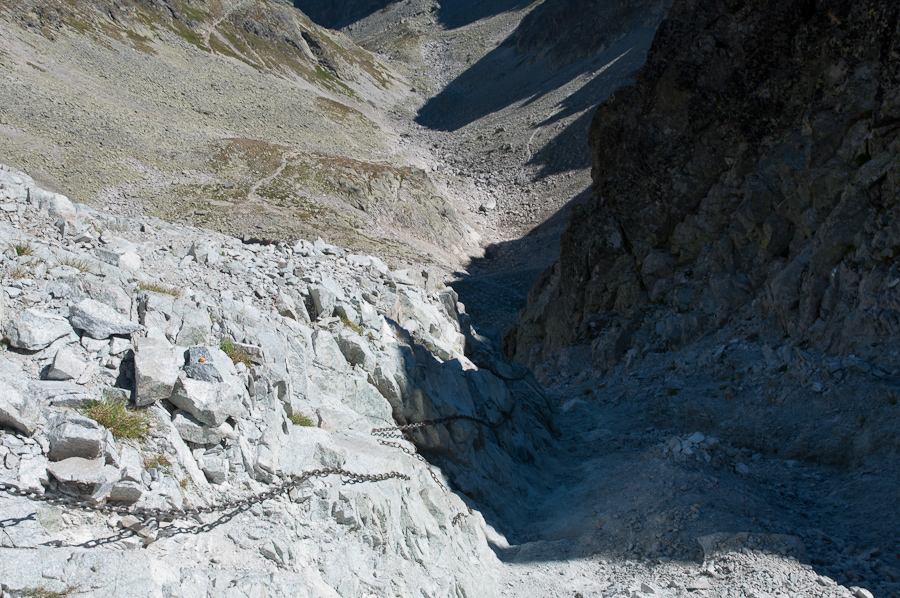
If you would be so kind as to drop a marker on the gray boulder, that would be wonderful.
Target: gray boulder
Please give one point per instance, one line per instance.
(19, 409)
(356, 351)
(214, 468)
(155, 371)
(99, 320)
(210, 402)
(73, 435)
(33, 473)
(198, 364)
(66, 366)
(125, 491)
(35, 330)
(194, 431)
(82, 477)
(325, 295)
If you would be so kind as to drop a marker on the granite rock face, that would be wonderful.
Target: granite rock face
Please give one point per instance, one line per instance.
(753, 165)
(239, 394)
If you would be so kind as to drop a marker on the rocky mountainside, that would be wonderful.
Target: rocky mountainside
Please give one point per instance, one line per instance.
(243, 117)
(251, 364)
(187, 412)
(753, 163)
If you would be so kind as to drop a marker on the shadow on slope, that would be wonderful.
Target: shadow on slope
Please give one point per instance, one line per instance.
(494, 287)
(455, 13)
(568, 150)
(452, 14)
(503, 77)
(338, 13)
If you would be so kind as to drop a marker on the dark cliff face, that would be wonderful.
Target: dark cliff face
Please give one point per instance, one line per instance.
(568, 30)
(754, 162)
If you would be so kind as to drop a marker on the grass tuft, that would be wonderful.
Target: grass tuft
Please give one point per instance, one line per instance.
(78, 264)
(118, 418)
(351, 325)
(43, 592)
(235, 353)
(159, 461)
(23, 248)
(18, 272)
(298, 419)
(155, 287)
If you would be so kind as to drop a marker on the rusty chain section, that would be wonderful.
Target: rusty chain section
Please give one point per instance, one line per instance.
(159, 515)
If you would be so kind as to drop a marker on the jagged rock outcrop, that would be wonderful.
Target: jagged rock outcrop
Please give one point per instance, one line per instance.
(568, 30)
(754, 163)
(236, 397)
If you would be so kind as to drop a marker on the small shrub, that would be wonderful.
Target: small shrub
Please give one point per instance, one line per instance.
(23, 248)
(159, 461)
(155, 287)
(351, 325)
(45, 593)
(80, 265)
(18, 272)
(298, 419)
(235, 353)
(118, 418)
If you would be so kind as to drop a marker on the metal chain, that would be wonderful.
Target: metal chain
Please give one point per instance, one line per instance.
(397, 445)
(399, 432)
(167, 515)
(387, 432)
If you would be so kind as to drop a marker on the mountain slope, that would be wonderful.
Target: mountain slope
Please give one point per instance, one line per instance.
(244, 117)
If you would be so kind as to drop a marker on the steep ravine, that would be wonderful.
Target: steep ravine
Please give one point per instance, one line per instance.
(684, 467)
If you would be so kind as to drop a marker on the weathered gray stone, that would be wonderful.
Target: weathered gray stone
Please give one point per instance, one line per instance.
(125, 491)
(86, 473)
(198, 364)
(119, 345)
(155, 371)
(73, 435)
(204, 253)
(35, 330)
(327, 351)
(214, 468)
(325, 295)
(287, 307)
(130, 463)
(356, 351)
(323, 299)
(66, 366)
(195, 324)
(33, 473)
(19, 409)
(99, 320)
(210, 402)
(129, 261)
(196, 432)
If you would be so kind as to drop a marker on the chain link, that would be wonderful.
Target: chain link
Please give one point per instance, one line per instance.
(160, 515)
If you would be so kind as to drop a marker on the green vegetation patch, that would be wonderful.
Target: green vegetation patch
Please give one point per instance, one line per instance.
(235, 353)
(120, 419)
(298, 419)
(155, 287)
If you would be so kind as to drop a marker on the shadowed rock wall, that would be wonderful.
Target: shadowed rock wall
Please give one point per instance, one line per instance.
(753, 163)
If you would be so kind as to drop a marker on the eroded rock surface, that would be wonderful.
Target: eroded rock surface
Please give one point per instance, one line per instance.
(237, 397)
